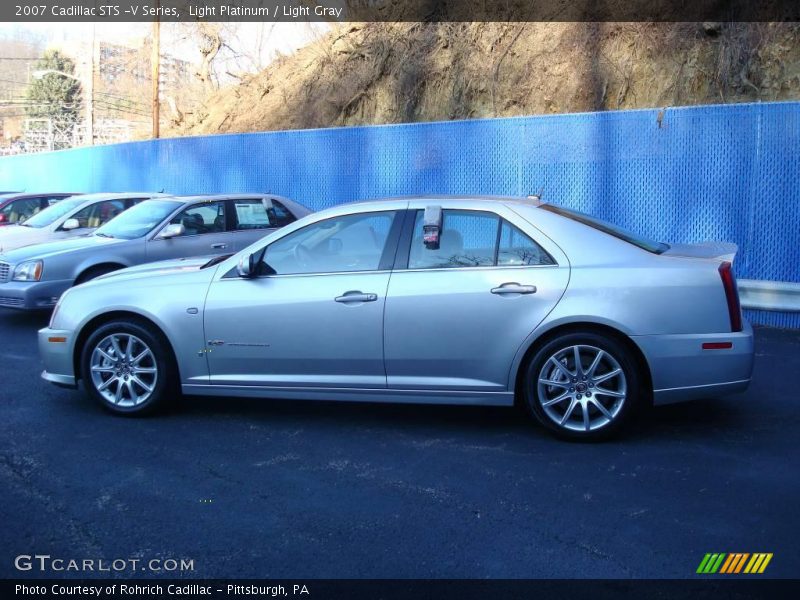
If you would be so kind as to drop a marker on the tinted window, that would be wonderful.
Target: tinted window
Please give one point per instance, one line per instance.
(199, 219)
(340, 244)
(517, 249)
(280, 215)
(139, 220)
(99, 213)
(53, 213)
(609, 228)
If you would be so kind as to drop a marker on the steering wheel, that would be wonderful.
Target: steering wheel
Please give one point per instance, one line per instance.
(303, 255)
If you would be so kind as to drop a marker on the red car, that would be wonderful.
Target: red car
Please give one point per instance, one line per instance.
(16, 207)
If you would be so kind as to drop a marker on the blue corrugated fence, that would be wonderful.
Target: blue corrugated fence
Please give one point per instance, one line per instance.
(713, 172)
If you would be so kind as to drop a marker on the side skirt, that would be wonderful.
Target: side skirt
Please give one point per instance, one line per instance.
(354, 394)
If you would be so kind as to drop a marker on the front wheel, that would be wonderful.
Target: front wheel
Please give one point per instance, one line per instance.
(583, 386)
(127, 367)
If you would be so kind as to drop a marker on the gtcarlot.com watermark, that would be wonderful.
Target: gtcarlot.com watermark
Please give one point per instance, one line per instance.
(46, 563)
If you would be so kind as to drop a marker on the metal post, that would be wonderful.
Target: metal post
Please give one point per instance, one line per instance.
(156, 75)
(90, 94)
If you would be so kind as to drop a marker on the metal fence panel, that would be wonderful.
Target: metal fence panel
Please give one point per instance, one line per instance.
(683, 175)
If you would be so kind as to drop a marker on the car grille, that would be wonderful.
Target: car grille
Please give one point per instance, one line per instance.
(6, 301)
(4, 269)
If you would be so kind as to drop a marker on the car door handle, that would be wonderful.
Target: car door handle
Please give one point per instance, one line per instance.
(219, 246)
(514, 288)
(356, 296)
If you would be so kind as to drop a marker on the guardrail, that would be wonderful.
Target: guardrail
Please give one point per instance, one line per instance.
(778, 296)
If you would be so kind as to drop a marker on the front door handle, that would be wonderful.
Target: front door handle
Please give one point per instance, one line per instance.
(356, 296)
(219, 246)
(514, 288)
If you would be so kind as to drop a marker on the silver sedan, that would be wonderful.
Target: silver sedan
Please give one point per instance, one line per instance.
(431, 300)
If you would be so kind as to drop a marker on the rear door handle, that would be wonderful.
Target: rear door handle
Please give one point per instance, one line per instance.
(514, 288)
(219, 246)
(356, 296)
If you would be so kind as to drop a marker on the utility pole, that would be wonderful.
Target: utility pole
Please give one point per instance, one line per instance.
(90, 94)
(156, 74)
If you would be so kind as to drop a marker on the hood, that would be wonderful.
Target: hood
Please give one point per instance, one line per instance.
(159, 269)
(716, 250)
(157, 274)
(16, 236)
(50, 249)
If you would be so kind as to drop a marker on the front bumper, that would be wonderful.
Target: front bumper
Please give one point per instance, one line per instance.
(682, 370)
(32, 295)
(56, 348)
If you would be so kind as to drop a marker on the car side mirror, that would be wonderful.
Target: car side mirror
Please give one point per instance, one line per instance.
(170, 231)
(253, 265)
(71, 224)
(247, 266)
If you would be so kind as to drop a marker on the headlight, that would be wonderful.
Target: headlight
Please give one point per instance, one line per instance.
(28, 271)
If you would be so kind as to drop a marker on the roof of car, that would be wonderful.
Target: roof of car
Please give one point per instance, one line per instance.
(213, 197)
(477, 198)
(120, 196)
(21, 196)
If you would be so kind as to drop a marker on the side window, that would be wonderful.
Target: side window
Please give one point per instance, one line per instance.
(339, 244)
(20, 210)
(203, 218)
(475, 239)
(99, 213)
(250, 214)
(468, 239)
(517, 249)
(279, 215)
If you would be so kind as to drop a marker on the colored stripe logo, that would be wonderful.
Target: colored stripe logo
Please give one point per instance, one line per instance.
(733, 563)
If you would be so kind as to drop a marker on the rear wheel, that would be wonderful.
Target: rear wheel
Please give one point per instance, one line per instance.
(128, 368)
(583, 386)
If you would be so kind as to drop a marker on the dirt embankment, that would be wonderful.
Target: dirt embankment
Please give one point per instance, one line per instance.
(376, 73)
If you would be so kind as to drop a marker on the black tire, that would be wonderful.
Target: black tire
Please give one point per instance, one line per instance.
(95, 272)
(579, 392)
(164, 385)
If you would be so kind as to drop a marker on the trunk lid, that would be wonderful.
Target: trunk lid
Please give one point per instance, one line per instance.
(721, 251)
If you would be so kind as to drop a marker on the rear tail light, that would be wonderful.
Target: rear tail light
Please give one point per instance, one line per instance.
(731, 295)
(2, 218)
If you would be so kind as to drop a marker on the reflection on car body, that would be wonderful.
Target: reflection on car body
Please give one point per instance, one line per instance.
(504, 299)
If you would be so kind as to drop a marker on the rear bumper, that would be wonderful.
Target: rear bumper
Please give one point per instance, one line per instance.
(32, 295)
(682, 370)
(57, 356)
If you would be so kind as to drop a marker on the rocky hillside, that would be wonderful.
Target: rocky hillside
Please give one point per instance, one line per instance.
(373, 73)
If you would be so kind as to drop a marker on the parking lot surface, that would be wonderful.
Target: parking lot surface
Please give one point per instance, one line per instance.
(259, 488)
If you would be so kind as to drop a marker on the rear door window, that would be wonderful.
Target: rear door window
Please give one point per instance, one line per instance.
(475, 239)
(250, 214)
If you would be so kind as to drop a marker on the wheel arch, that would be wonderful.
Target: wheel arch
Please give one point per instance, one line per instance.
(98, 321)
(581, 327)
(111, 265)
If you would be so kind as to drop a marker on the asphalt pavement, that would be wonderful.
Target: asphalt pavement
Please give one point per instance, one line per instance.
(280, 489)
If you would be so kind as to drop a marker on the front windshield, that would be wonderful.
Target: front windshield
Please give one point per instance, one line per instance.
(139, 220)
(53, 213)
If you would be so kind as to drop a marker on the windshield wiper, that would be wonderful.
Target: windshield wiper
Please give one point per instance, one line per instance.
(105, 235)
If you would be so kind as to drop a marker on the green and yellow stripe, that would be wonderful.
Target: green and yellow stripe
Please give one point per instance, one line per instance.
(734, 562)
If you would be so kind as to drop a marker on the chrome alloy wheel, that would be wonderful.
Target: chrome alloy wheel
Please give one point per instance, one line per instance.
(582, 388)
(124, 370)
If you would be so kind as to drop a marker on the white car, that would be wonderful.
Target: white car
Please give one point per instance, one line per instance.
(71, 217)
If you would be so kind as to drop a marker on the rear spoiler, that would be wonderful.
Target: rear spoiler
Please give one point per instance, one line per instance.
(722, 251)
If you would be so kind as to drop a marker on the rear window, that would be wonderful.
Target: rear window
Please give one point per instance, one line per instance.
(618, 232)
